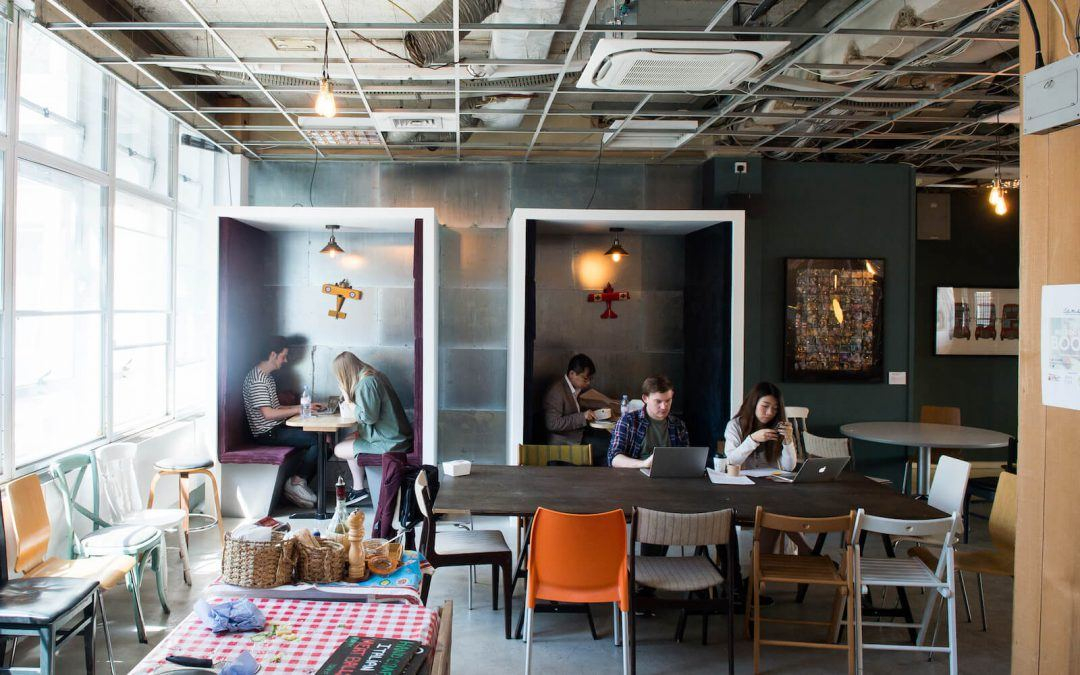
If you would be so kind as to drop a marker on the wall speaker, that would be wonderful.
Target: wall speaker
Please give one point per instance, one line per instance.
(933, 215)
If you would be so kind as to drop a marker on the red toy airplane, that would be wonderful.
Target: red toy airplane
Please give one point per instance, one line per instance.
(609, 295)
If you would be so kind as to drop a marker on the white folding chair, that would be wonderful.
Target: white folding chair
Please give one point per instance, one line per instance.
(116, 465)
(911, 572)
(797, 414)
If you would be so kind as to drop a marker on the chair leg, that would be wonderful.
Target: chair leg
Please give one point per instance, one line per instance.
(495, 588)
(592, 624)
(89, 633)
(508, 596)
(184, 557)
(105, 629)
(217, 505)
(963, 590)
(185, 501)
(159, 563)
(625, 646)
(528, 635)
(615, 629)
(851, 631)
(47, 649)
(951, 605)
(153, 486)
(837, 614)
(468, 587)
(133, 579)
(859, 625)
(982, 601)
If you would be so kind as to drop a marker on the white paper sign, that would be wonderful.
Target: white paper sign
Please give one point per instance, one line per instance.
(1061, 346)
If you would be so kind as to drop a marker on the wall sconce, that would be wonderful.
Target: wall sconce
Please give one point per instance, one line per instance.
(616, 251)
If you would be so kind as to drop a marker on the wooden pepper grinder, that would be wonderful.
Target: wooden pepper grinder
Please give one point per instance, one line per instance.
(357, 563)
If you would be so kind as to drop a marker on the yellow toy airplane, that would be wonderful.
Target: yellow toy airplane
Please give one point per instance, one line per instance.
(342, 290)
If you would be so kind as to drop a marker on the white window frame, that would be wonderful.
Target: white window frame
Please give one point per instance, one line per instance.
(13, 151)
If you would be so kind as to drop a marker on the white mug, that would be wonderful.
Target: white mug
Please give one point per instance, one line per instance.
(347, 410)
(720, 463)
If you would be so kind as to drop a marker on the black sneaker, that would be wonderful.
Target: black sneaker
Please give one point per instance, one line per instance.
(354, 497)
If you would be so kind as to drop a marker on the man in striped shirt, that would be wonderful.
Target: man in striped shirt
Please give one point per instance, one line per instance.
(266, 418)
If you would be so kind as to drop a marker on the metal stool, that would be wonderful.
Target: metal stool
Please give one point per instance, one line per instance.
(183, 467)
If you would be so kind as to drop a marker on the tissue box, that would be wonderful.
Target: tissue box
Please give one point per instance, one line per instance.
(457, 467)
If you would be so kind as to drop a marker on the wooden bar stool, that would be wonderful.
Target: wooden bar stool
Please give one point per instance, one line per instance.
(184, 468)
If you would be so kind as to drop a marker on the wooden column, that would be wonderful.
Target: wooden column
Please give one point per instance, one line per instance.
(1046, 616)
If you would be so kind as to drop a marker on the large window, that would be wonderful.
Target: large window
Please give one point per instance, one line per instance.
(62, 100)
(195, 184)
(141, 302)
(142, 142)
(59, 227)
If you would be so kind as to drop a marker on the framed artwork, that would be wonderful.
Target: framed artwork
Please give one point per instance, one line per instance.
(834, 320)
(977, 321)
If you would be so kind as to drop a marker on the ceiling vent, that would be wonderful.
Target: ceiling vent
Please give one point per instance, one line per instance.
(647, 134)
(294, 44)
(674, 65)
(439, 122)
(339, 130)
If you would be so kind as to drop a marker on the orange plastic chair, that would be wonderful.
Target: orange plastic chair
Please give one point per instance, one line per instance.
(579, 559)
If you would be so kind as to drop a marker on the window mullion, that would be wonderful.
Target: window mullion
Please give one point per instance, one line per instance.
(7, 327)
(110, 240)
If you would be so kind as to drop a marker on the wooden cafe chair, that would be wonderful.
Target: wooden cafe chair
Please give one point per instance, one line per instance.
(817, 570)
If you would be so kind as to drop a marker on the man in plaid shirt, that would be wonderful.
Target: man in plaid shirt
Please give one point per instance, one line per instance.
(637, 433)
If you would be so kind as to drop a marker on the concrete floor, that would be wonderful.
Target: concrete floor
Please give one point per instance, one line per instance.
(563, 643)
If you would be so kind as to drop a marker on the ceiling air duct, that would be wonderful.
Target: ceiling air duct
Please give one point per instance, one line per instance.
(674, 65)
(425, 47)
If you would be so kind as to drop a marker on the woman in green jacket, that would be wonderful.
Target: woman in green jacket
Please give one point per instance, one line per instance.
(382, 426)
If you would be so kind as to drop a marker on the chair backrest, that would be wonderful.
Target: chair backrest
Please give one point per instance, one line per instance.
(30, 527)
(943, 528)
(949, 485)
(423, 498)
(773, 521)
(540, 455)
(819, 446)
(939, 414)
(116, 465)
(577, 554)
(796, 415)
(712, 528)
(1003, 513)
(83, 465)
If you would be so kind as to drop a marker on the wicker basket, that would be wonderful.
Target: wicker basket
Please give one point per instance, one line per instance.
(321, 565)
(258, 564)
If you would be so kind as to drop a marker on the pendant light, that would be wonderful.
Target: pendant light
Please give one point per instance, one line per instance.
(616, 251)
(324, 103)
(997, 188)
(332, 249)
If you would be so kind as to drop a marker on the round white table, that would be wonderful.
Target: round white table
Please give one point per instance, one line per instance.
(925, 436)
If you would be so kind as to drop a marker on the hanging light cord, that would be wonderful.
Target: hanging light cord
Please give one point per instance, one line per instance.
(326, 54)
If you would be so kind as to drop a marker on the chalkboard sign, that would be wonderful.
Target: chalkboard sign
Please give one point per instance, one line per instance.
(379, 656)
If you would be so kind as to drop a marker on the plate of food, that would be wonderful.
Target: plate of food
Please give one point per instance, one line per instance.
(602, 424)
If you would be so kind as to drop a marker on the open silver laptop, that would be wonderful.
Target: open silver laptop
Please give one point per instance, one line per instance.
(677, 463)
(817, 470)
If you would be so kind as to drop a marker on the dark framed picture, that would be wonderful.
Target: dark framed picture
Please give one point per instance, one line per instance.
(973, 321)
(834, 320)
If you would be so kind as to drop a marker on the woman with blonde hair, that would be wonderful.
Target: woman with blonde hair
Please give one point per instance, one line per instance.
(382, 427)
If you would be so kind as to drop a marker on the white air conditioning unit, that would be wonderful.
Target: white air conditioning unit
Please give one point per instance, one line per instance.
(674, 65)
(649, 134)
(436, 122)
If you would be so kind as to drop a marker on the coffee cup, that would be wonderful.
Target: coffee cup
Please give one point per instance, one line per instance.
(733, 469)
(720, 464)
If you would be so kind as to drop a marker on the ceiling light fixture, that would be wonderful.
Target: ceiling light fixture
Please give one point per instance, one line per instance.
(324, 103)
(332, 249)
(616, 251)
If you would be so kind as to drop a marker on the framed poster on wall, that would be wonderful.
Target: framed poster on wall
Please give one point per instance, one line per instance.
(977, 321)
(834, 320)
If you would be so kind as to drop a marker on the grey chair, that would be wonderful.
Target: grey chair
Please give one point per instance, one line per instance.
(693, 575)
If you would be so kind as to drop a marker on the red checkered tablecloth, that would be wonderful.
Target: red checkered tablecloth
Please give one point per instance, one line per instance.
(318, 627)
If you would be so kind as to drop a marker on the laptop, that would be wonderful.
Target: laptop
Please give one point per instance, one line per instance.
(817, 470)
(677, 463)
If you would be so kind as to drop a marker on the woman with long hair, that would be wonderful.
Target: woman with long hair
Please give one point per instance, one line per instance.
(382, 426)
(759, 435)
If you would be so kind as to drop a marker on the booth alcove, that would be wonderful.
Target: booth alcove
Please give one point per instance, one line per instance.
(684, 316)
(271, 276)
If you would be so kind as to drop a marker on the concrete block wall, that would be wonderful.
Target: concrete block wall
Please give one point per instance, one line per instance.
(473, 203)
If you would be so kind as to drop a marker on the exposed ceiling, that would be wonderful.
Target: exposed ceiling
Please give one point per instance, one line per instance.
(928, 82)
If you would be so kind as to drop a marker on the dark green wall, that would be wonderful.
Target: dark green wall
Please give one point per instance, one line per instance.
(822, 210)
(983, 250)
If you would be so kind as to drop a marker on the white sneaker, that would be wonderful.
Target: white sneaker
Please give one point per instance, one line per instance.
(294, 495)
(302, 489)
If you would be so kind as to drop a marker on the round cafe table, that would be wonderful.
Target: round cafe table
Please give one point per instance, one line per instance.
(925, 436)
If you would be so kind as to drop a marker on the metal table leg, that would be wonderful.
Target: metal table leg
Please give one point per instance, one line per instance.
(923, 484)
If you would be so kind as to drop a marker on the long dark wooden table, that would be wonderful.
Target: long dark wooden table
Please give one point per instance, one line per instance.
(518, 491)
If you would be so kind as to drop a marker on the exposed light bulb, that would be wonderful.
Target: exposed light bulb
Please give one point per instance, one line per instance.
(995, 194)
(1002, 207)
(616, 257)
(324, 103)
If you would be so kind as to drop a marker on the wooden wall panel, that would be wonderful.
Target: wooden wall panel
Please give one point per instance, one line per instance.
(1046, 616)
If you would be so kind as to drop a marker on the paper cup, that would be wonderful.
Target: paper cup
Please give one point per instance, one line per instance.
(733, 469)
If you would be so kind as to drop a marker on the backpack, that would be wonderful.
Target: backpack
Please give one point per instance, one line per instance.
(410, 514)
